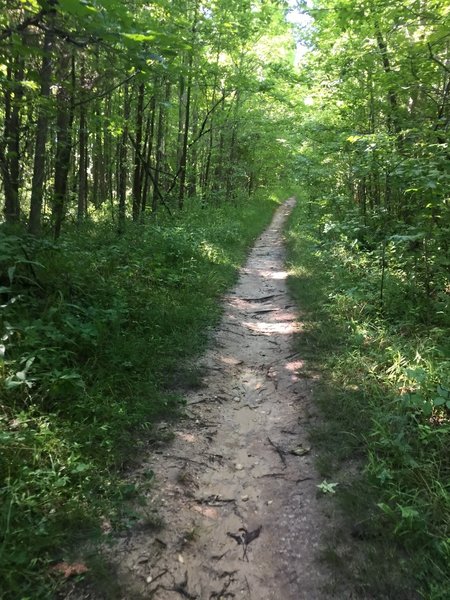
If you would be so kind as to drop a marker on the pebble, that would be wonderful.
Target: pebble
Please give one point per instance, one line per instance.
(238, 466)
(244, 498)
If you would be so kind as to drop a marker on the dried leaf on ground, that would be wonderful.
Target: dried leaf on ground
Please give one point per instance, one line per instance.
(69, 569)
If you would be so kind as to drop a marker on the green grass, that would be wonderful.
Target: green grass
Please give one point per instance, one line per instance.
(97, 331)
(385, 426)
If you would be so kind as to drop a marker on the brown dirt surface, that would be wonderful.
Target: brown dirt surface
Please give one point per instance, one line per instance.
(236, 488)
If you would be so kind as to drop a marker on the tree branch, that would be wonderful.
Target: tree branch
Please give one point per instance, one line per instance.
(107, 92)
(149, 173)
(205, 120)
(436, 60)
(29, 22)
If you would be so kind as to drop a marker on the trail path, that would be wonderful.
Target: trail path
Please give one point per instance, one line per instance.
(241, 463)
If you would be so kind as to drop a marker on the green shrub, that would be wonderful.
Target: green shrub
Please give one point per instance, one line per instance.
(96, 331)
(385, 397)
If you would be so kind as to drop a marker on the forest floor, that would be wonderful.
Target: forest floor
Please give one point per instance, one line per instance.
(234, 509)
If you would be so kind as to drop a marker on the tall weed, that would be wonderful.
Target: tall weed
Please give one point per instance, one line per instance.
(385, 397)
(95, 332)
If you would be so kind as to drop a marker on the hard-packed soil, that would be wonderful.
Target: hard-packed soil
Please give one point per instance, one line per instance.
(237, 511)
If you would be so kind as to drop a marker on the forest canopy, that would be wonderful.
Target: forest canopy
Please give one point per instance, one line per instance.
(131, 105)
(143, 147)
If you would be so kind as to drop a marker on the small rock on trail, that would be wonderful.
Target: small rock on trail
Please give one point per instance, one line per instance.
(236, 493)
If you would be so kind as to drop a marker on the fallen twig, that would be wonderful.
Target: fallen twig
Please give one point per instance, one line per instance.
(225, 586)
(219, 556)
(181, 588)
(260, 298)
(281, 453)
(280, 475)
(215, 500)
(163, 572)
(245, 537)
(208, 399)
(234, 332)
(248, 587)
(195, 462)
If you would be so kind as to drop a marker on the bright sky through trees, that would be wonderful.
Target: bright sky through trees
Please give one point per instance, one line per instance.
(300, 20)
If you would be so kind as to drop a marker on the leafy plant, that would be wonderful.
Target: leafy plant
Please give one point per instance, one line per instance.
(386, 418)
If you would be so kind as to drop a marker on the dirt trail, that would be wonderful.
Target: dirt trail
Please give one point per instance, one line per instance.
(241, 462)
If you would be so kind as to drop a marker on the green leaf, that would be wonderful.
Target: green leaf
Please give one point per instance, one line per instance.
(408, 512)
(327, 487)
(78, 8)
(81, 468)
(443, 391)
(140, 37)
(439, 401)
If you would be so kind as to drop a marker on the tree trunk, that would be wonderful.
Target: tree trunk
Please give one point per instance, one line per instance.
(187, 116)
(192, 185)
(184, 150)
(137, 177)
(122, 162)
(218, 170)
(82, 150)
(109, 161)
(392, 119)
(159, 152)
(64, 122)
(37, 184)
(232, 152)
(148, 151)
(11, 161)
(98, 161)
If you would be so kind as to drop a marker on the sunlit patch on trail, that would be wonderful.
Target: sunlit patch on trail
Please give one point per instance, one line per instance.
(279, 328)
(206, 511)
(230, 360)
(187, 437)
(282, 316)
(293, 367)
(280, 275)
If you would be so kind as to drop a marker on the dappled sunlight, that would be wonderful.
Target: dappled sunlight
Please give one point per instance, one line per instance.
(187, 437)
(282, 316)
(278, 275)
(278, 328)
(213, 253)
(229, 360)
(239, 303)
(293, 367)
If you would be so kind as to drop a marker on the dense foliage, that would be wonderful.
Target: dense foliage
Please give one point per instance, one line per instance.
(139, 146)
(97, 336)
(384, 398)
(372, 242)
(375, 148)
(134, 139)
(132, 106)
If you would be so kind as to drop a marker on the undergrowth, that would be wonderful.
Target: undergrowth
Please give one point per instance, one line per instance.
(384, 395)
(95, 332)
